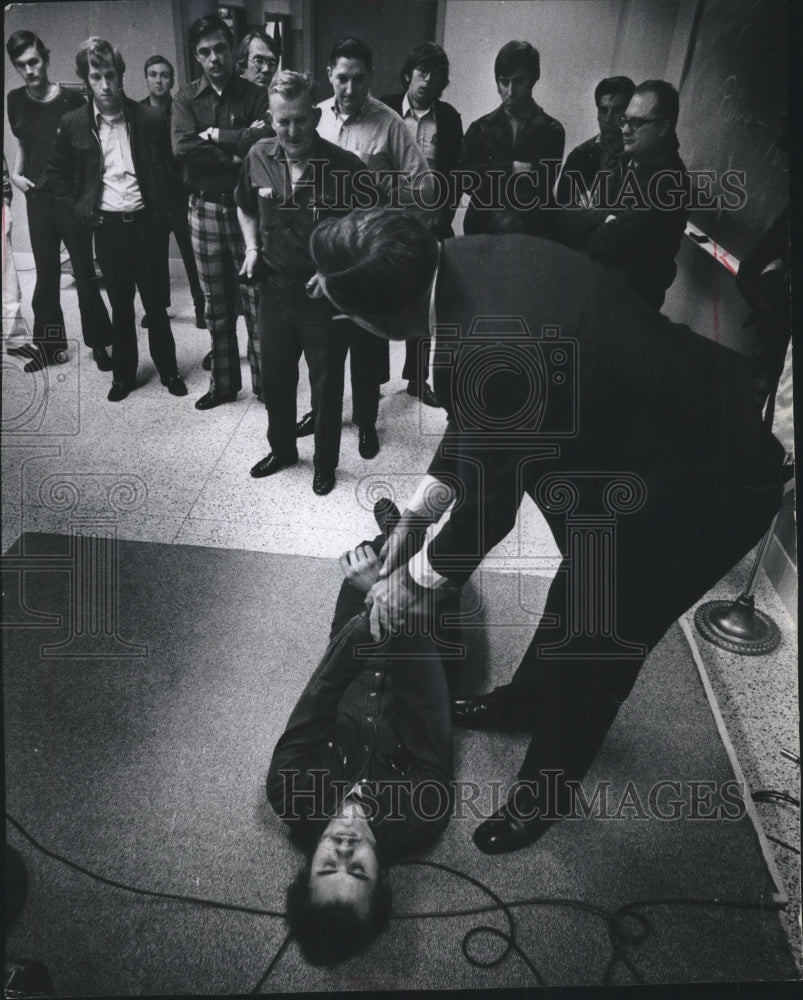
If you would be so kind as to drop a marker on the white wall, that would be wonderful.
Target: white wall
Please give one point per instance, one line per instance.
(139, 28)
(580, 41)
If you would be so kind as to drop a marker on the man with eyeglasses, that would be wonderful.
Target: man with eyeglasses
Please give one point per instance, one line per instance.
(216, 120)
(257, 58)
(586, 161)
(641, 208)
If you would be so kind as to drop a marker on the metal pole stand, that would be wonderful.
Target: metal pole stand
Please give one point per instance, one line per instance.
(736, 625)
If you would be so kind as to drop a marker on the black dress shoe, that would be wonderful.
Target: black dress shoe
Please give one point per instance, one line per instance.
(101, 358)
(422, 391)
(323, 483)
(480, 711)
(22, 350)
(210, 400)
(368, 443)
(175, 385)
(200, 317)
(119, 390)
(206, 364)
(386, 515)
(306, 425)
(505, 831)
(42, 359)
(271, 463)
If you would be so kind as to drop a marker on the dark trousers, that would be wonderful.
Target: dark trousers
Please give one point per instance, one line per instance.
(368, 361)
(416, 360)
(131, 257)
(180, 226)
(664, 563)
(289, 323)
(50, 224)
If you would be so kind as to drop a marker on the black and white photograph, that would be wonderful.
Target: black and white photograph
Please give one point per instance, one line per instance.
(399, 550)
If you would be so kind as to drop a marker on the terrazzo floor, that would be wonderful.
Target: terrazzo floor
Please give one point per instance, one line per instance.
(152, 468)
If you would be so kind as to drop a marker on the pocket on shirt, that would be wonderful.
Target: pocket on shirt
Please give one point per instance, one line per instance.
(268, 211)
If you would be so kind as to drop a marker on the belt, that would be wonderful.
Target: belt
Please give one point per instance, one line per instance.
(122, 216)
(223, 198)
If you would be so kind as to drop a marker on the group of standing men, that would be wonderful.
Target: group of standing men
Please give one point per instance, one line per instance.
(242, 210)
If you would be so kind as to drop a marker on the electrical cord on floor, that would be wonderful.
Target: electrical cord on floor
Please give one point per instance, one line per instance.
(772, 795)
(617, 922)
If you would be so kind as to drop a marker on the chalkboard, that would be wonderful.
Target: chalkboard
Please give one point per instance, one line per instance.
(734, 115)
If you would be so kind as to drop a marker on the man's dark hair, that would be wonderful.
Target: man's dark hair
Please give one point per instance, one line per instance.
(352, 48)
(667, 103)
(154, 61)
(208, 25)
(97, 52)
(614, 85)
(515, 55)
(375, 260)
(331, 933)
(19, 41)
(241, 55)
(427, 57)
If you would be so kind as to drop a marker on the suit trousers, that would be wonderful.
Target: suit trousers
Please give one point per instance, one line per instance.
(367, 361)
(50, 224)
(219, 252)
(130, 255)
(568, 688)
(291, 323)
(180, 227)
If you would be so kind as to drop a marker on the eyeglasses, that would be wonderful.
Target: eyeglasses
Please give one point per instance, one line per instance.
(635, 123)
(261, 62)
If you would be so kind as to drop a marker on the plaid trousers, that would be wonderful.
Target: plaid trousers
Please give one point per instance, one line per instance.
(219, 251)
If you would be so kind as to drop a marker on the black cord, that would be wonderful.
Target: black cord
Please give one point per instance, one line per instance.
(620, 933)
(509, 939)
(782, 843)
(288, 938)
(197, 900)
(772, 795)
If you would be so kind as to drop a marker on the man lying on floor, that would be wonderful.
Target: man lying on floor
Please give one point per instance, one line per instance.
(363, 770)
(562, 384)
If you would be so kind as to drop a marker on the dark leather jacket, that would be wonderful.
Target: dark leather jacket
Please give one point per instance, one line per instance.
(75, 167)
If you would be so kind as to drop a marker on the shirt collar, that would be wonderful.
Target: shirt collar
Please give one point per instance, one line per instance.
(357, 114)
(407, 108)
(204, 85)
(99, 116)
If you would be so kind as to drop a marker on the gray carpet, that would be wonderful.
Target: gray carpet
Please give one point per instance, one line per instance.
(150, 769)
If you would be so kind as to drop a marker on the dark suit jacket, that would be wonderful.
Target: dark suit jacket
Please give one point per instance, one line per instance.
(546, 366)
(449, 140)
(75, 167)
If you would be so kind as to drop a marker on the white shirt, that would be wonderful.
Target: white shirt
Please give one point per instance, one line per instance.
(380, 138)
(422, 128)
(120, 191)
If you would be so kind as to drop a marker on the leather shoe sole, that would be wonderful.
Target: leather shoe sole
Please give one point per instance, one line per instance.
(271, 464)
(323, 483)
(306, 425)
(386, 515)
(368, 445)
(210, 400)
